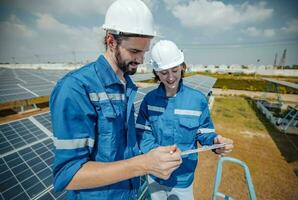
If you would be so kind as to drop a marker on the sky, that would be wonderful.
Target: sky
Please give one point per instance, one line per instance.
(208, 32)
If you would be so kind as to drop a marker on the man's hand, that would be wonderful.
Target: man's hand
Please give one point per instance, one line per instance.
(162, 161)
(227, 148)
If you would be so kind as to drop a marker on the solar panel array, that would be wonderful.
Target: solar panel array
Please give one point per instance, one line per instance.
(26, 160)
(140, 95)
(18, 84)
(201, 83)
(285, 83)
(27, 173)
(142, 77)
(18, 134)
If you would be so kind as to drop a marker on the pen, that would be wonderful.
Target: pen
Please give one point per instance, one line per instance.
(204, 148)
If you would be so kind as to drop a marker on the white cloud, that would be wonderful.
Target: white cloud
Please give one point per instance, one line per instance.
(292, 26)
(14, 26)
(81, 7)
(269, 32)
(48, 22)
(13, 33)
(216, 14)
(254, 32)
(74, 7)
(52, 41)
(150, 3)
(77, 38)
(254, 13)
(56, 35)
(14, 19)
(170, 4)
(62, 7)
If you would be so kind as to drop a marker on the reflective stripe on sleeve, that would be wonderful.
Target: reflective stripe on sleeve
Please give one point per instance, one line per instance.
(116, 96)
(156, 108)
(206, 130)
(73, 144)
(187, 112)
(141, 126)
(104, 96)
(93, 97)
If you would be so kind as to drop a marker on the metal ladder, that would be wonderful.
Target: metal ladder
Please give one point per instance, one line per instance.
(217, 181)
(289, 119)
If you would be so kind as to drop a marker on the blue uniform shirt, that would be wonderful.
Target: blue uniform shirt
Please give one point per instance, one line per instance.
(182, 120)
(93, 120)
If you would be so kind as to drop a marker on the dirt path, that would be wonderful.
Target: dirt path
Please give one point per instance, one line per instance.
(291, 98)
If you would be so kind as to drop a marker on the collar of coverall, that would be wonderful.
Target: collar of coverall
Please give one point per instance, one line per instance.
(108, 75)
(161, 91)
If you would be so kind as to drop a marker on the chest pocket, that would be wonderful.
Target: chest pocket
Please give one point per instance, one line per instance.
(107, 110)
(110, 130)
(188, 127)
(163, 130)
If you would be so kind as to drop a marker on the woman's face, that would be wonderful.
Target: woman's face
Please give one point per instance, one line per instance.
(170, 78)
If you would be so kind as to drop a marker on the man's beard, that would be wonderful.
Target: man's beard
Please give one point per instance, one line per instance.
(124, 66)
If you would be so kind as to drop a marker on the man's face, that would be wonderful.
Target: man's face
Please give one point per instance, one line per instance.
(130, 53)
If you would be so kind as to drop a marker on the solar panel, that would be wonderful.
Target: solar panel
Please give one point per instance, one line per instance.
(17, 84)
(15, 96)
(148, 89)
(139, 97)
(26, 159)
(285, 83)
(41, 90)
(18, 134)
(142, 77)
(45, 120)
(27, 174)
(201, 83)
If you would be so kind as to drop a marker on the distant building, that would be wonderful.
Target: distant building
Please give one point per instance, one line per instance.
(222, 69)
(251, 67)
(211, 68)
(196, 68)
(261, 67)
(269, 67)
(235, 69)
(144, 68)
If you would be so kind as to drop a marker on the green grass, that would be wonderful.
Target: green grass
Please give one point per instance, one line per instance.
(241, 84)
(251, 83)
(236, 113)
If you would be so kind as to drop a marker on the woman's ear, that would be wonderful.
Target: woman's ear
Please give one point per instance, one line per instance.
(183, 67)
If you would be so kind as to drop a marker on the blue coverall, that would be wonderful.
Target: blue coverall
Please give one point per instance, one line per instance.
(93, 120)
(182, 120)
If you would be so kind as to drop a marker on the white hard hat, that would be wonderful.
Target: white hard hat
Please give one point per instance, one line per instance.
(165, 55)
(129, 16)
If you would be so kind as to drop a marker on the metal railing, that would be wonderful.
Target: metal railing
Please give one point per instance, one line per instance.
(216, 193)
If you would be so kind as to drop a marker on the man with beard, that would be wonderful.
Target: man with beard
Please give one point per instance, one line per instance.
(96, 154)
